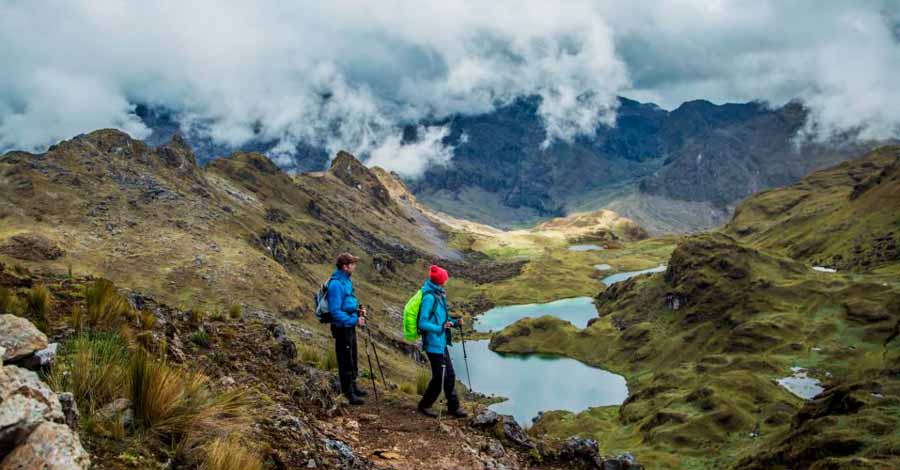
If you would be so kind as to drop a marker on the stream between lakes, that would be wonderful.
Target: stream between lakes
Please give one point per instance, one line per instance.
(534, 382)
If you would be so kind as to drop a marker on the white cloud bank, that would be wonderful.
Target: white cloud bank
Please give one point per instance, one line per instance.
(350, 74)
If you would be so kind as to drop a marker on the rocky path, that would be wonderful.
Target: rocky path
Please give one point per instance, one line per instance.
(394, 436)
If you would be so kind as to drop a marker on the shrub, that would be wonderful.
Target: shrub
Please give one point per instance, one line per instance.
(93, 368)
(180, 405)
(328, 361)
(37, 306)
(229, 454)
(104, 309)
(422, 382)
(235, 311)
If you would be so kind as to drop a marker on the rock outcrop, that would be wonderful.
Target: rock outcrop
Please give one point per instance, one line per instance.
(35, 425)
(20, 338)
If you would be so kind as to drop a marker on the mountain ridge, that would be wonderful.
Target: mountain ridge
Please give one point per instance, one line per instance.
(699, 158)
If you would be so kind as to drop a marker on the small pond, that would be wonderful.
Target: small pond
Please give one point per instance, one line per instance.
(534, 383)
(624, 276)
(576, 310)
(801, 384)
(585, 247)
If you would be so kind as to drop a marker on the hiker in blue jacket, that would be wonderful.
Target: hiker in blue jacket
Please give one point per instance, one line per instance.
(346, 315)
(435, 323)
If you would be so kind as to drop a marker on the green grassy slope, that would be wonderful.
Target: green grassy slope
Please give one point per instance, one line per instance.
(846, 216)
(703, 343)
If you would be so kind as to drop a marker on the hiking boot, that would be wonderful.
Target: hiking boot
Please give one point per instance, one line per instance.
(427, 412)
(359, 392)
(458, 412)
(355, 400)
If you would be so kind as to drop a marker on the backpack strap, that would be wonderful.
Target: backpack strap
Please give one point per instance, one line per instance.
(433, 307)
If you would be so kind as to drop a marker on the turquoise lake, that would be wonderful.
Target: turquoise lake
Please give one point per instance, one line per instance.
(534, 382)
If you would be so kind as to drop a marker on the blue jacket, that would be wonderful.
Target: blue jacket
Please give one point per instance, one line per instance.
(342, 301)
(434, 337)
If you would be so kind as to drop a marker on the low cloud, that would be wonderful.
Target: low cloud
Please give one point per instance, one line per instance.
(411, 159)
(350, 74)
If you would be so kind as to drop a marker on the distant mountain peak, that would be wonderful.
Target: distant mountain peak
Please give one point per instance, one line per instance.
(353, 173)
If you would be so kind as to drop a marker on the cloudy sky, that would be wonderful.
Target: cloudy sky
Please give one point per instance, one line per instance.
(346, 74)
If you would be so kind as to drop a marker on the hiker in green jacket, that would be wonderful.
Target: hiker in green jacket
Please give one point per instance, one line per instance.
(435, 323)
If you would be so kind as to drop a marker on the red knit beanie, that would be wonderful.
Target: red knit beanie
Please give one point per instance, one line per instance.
(438, 275)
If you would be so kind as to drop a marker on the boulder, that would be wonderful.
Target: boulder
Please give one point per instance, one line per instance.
(69, 409)
(118, 409)
(25, 402)
(624, 461)
(51, 446)
(20, 338)
(503, 427)
(582, 450)
(42, 359)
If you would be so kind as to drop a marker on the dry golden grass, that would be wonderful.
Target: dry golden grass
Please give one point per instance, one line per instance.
(422, 382)
(104, 309)
(8, 302)
(309, 354)
(328, 361)
(229, 454)
(197, 316)
(38, 304)
(147, 320)
(180, 404)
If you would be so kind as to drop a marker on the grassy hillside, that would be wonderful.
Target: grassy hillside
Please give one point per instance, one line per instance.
(845, 217)
(238, 231)
(703, 344)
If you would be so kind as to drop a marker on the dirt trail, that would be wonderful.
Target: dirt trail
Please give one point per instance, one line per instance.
(394, 436)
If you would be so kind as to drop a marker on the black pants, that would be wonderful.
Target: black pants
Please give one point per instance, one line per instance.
(345, 350)
(434, 387)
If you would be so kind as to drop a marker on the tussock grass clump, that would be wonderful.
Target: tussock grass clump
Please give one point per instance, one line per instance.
(309, 354)
(408, 388)
(8, 301)
(181, 405)
(422, 382)
(235, 311)
(147, 320)
(94, 368)
(37, 306)
(328, 361)
(229, 454)
(197, 316)
(217, 315)
(200, 337)
(104, 309)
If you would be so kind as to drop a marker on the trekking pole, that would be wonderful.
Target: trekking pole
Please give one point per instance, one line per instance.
(377, 361)
(443, 372)
(371, 370)
(466, 358)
